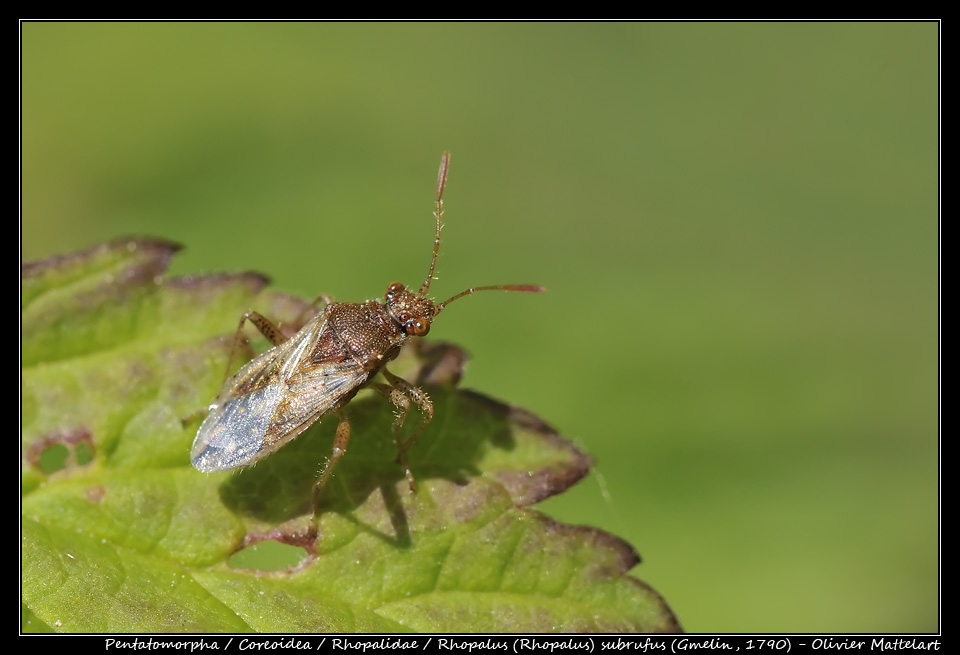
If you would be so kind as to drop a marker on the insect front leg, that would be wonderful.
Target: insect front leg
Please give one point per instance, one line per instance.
(340, 441)
(400, 392)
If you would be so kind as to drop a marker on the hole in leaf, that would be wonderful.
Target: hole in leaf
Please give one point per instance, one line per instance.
(268, 555)
(83, 453)
(53, 458)
(60, 451)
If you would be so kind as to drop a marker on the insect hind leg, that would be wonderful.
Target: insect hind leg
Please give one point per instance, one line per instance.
(400, 392)
(340, 442)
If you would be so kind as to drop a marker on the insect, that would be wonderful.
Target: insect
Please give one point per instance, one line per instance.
(276, 396)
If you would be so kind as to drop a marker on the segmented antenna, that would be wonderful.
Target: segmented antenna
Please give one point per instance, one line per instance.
(425, 287)
(441, 183)
(533, 288)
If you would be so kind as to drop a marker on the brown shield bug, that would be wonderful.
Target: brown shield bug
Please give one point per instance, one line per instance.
(276, 396)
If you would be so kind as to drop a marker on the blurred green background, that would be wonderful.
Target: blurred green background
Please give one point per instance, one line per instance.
(738, 225)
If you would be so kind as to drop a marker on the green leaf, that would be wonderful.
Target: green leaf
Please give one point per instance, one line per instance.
(121, 534)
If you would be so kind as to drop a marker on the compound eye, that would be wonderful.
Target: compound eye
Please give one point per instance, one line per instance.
(394, 289)
(418, 327)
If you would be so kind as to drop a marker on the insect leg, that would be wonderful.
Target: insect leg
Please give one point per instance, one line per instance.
(402, 402)
(401, 393)
(319, 303)
(340, 441)
(270, 331)
(266, 328)
(192, 416)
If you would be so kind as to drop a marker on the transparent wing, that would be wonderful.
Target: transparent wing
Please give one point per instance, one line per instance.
(274, 398)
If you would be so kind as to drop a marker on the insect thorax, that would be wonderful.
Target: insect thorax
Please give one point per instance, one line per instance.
(367, 330)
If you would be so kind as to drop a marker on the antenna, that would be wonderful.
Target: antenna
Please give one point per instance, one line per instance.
(425, 287)
(441, 183)
(499, 287)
